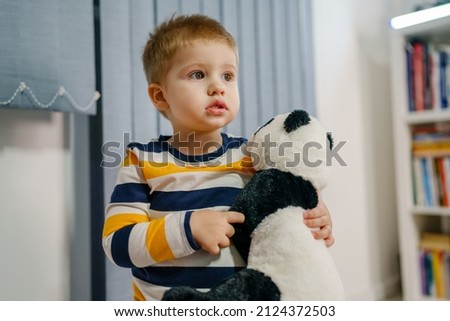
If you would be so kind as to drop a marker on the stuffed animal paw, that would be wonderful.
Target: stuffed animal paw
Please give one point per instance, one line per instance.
(245, 285)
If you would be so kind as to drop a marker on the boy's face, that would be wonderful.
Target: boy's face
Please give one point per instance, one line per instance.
(201, 89)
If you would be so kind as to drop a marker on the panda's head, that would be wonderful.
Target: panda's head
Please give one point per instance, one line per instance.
(294, 142)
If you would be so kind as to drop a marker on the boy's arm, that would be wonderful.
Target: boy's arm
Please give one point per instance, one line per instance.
(131, 238)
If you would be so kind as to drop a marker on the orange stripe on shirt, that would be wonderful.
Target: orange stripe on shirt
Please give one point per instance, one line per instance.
(116, 222)
(157, 244)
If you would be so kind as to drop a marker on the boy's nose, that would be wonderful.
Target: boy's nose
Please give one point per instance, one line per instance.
(216, 89)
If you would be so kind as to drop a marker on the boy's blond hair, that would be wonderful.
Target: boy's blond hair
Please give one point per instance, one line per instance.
(176, 33)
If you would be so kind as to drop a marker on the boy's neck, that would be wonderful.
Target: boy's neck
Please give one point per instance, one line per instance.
(196, 143)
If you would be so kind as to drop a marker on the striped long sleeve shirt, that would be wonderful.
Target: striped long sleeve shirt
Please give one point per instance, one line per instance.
(147, 220)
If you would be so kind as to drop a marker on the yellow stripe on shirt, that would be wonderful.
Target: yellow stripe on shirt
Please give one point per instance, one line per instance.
(130, 159)
(153, 170)
(116, 222)
(137, 294)
(157, 244)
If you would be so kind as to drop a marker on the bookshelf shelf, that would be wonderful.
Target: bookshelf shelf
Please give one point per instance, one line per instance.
(435, 211)
(427, 116)
(414, 220)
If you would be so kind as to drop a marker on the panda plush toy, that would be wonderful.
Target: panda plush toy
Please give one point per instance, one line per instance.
(285, 262)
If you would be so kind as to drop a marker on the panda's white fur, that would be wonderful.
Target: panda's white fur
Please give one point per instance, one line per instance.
(282, 247)
(272, 147)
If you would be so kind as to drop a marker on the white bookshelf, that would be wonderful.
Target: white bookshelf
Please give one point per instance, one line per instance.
(412, 220)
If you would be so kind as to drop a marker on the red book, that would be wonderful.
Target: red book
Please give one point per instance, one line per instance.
(419, 75)
(441, 181)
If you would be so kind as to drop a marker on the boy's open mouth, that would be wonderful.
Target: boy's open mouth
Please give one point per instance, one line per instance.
(216, 108)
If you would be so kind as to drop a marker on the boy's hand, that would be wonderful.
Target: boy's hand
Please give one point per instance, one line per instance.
(212, 229)
(319, 217)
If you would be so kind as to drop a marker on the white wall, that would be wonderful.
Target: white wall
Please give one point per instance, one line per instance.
(353, 100)
(34, 233)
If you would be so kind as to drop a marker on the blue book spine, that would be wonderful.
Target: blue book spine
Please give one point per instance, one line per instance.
(443, 65)
(426, 182)
(429, 274)
(409, 51)
(427, 76)
(423, 273)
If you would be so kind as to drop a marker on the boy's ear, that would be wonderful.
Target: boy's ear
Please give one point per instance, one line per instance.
(156, 95)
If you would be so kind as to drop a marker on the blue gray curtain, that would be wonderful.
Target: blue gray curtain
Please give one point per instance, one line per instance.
(47, 55)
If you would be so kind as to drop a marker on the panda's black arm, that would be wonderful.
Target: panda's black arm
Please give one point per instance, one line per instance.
(241, 240)
(264, 194)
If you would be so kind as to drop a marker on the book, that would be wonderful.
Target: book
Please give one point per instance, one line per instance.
(446, 169)
(443, 181)
(427, 75)
(446, 78)
(447, 273)
(423, 272)
(434, 260)
(430, 286)
(419, 75)
(409, 51)
(419, 187)
(443, 78)
(433, 182)
(434, 77)
(426, 181)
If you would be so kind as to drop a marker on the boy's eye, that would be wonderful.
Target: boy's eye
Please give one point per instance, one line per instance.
(197, 75)
(227, 76)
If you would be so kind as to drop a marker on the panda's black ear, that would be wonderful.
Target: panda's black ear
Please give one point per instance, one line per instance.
(296, 119)
(330, 140)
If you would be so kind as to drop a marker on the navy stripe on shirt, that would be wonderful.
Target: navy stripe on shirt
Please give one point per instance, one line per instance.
(184, 200)
(119, 247)
(196, 277)
(161, 145)
(188, 231)
(131, 193)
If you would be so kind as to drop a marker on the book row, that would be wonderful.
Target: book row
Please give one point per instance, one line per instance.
(434, 260)
(430, 147)
(428, 75)
(431, 181)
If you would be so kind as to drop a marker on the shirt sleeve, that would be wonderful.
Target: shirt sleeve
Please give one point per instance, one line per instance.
(131, 237)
